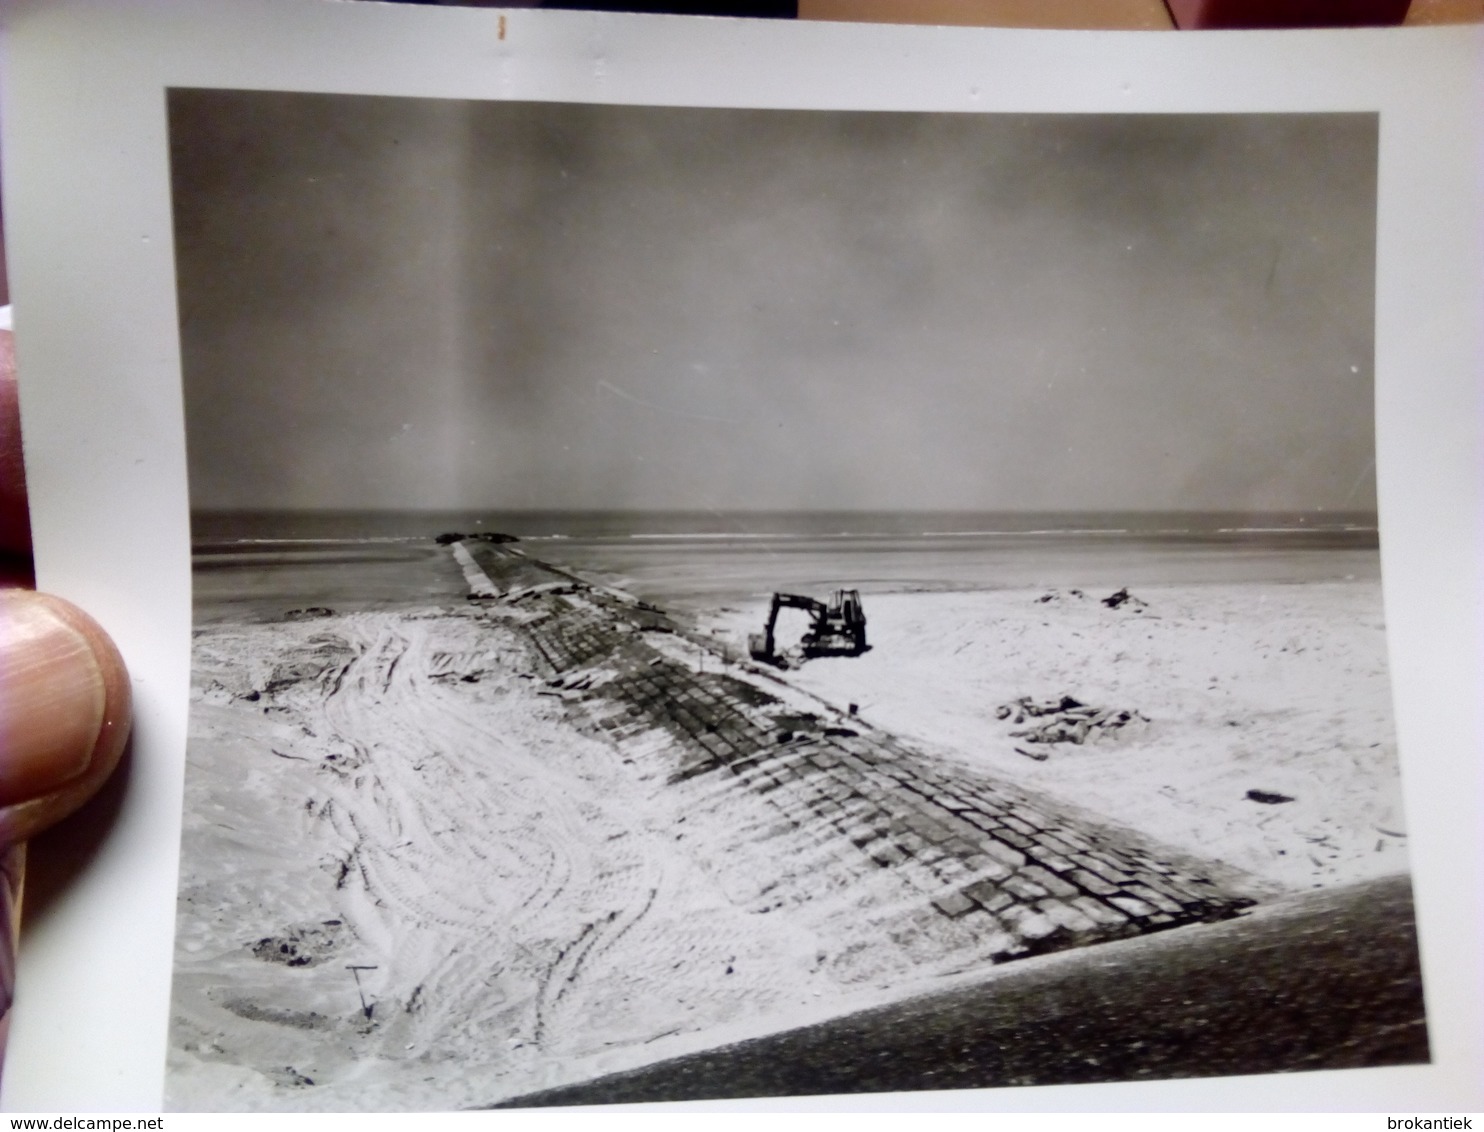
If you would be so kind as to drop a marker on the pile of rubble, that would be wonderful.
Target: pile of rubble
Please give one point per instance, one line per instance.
(1064, 720)
(1055, 595)
(1120, 600)
(546, 589)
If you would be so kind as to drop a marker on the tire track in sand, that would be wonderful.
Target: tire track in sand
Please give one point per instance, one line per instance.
(487, 874)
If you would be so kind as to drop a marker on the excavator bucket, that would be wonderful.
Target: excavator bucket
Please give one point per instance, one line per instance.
(759, 647)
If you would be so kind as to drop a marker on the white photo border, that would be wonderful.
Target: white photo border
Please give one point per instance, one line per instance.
(87, 203)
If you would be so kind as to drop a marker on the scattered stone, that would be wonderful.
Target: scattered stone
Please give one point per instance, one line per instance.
(554, 589)
(302, 945)
(292, 1078)
(1124, 598)
(311, 613)
(1056, 595)
(1268, 797)
(1039, 756)
(1025, 706)
(1065, 720)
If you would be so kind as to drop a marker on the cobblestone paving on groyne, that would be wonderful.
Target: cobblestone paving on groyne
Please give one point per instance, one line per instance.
(959, 865)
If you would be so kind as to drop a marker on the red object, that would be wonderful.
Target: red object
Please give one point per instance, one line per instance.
(1200, 14)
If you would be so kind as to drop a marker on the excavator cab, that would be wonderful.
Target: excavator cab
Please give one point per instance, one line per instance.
(836, 629)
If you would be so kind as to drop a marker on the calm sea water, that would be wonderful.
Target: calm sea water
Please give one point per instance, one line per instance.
(705, 558)
(222, 526)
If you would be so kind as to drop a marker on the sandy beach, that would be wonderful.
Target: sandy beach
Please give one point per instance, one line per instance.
(441, 852)
(1279, 689)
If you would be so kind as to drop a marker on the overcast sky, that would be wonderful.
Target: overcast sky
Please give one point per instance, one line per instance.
(402, 303)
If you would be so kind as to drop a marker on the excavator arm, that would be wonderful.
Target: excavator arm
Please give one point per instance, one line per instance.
(836, 629)
(763, 646)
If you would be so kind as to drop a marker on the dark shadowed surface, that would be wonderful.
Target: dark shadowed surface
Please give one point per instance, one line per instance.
(1328, 980)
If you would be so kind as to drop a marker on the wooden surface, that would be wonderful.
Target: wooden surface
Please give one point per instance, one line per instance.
(1445, 12)
(1145, 15)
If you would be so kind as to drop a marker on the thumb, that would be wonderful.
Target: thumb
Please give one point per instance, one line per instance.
(65, 711)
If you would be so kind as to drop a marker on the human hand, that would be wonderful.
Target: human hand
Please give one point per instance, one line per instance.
(64, 692)
(65, 705)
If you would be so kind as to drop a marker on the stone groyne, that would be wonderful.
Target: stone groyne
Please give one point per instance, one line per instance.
(949, 868)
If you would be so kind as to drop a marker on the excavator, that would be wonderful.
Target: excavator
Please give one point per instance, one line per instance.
(836, 629)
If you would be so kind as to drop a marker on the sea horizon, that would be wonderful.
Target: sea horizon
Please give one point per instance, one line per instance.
(326, 525)
(700, 558)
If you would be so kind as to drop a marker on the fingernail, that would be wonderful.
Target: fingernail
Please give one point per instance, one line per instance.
(52, 699)
(65, 711)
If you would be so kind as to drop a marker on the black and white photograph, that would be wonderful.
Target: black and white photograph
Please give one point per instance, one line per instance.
(702, 602)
